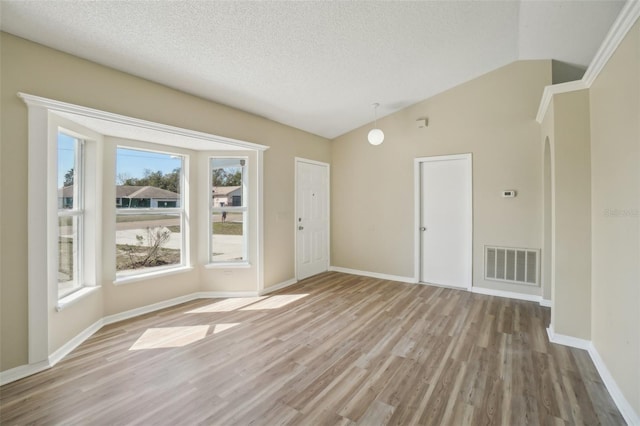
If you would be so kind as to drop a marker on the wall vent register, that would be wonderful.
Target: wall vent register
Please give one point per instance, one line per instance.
(513, 265)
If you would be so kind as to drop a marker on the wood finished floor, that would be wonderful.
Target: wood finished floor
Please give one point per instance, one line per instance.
(352, 350)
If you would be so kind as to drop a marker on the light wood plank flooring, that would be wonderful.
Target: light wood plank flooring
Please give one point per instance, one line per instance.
(334, 349)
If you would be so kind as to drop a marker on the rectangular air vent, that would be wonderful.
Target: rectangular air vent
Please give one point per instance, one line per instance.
(513, 265)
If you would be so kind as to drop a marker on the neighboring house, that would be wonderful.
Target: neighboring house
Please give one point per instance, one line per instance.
(227, 196)
(65, 197)
(129, 196)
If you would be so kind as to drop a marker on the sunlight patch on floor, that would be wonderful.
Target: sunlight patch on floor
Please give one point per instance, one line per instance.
(219, 328)
(274, 302)
(170, 337)
(227, 305)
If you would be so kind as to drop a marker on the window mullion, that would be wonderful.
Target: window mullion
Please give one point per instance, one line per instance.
(132, 211)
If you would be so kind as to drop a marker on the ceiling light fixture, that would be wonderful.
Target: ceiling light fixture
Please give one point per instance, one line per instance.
(376, 136)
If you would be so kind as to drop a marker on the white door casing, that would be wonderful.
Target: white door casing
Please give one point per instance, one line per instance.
(445, 220)
(312, 218)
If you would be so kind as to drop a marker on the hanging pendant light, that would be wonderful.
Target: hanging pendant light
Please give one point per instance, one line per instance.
(376, 136)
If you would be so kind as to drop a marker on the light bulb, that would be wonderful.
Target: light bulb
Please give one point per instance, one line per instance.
(376, 136)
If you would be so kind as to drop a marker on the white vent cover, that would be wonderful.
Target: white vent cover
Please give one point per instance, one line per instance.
(513, 265)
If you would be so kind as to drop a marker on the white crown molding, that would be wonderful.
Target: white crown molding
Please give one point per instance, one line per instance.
(550, 91)
(626, 19)
(399, 278)
(53, 105)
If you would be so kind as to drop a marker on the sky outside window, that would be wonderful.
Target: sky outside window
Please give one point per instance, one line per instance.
(66, 156)
(132, 163)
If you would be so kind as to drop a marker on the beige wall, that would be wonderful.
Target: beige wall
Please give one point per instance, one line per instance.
(492, 117)
(547, 127)
(571, 198)
(37, 70)
(615, 161)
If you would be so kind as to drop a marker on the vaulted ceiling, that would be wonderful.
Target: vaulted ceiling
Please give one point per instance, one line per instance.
(315, 65)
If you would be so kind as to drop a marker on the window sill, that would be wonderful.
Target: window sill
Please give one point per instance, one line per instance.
(74, 297)
(228, 265)
(151, 275)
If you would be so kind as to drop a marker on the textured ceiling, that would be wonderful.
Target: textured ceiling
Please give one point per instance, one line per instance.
(317, 66)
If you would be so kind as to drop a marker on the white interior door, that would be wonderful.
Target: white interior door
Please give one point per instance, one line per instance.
(446, 220)
(312, 218)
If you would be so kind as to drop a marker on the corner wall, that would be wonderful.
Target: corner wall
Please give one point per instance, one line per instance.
(615, 192)
(571, 215)
(595, 137)
(372, 189)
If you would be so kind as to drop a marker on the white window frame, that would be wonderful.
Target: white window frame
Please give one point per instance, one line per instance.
(244, 209)
(42, 197)
(133, 275)
(77, 211)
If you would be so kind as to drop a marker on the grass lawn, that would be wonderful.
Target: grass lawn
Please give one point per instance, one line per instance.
(219, 228)
(140, 218)
(227, 228)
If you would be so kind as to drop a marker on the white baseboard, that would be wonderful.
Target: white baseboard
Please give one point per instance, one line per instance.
(278, 286)
(224, 294)
(627, 411)
(399, 278)
(565, 340)
(66, 349)
(21, 372)
(507, 294)
(110, 319)
(479, 290)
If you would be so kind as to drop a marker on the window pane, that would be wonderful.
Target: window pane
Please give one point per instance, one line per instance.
(146, 241)
(147, 179)
(226, 182)
(227, 239)
(228, 209)
(67, 169)
(68, 254)
(69, 184)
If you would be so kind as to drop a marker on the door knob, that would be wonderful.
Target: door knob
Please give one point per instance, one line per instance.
(300, 228)
(423, 228)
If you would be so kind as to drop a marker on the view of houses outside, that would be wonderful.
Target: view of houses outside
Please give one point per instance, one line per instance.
(149, 210)
(149, 213)
(228, 210)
